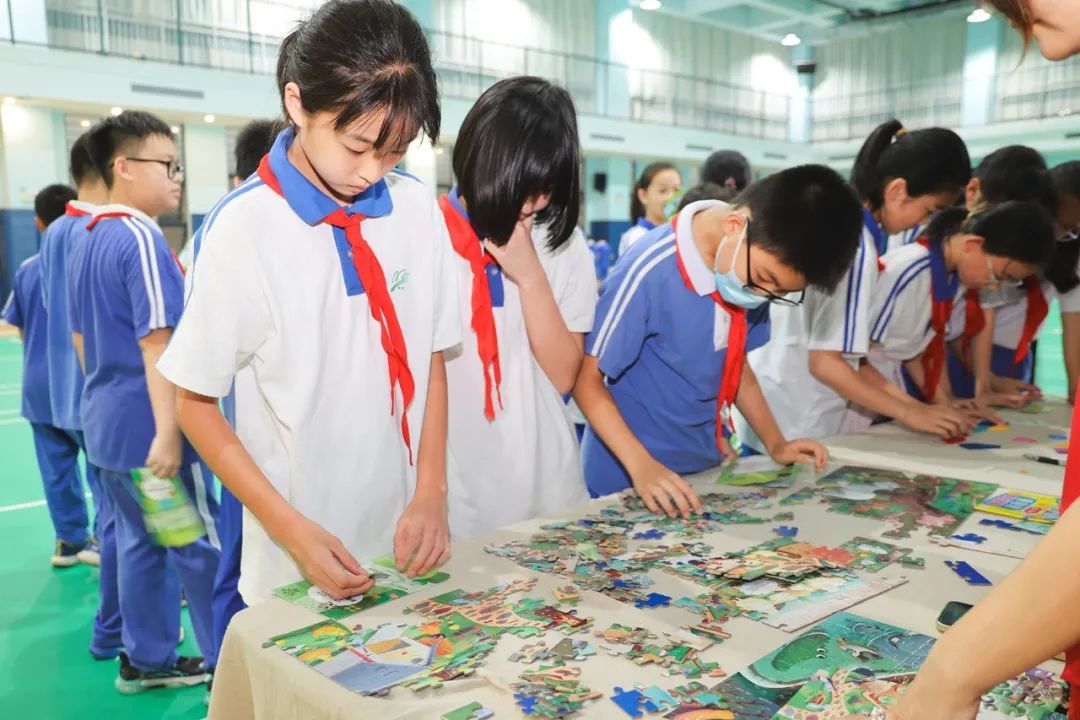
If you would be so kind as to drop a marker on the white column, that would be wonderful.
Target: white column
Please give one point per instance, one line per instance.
(206, 168)
(31, 157)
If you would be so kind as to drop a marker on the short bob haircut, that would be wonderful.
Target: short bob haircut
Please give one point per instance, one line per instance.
(355, 57)
(520, 141)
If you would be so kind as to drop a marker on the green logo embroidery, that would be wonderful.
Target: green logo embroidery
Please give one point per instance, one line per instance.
(398, 280)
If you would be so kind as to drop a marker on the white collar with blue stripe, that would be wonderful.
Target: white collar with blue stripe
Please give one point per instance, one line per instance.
(701, 275)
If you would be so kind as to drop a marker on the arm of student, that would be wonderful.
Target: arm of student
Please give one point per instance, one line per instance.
(661, 489)
(1012, 629)
(870, 389)
(422, 539)
(77, 343)
(991, 390)
(752, 404)
(320, 556)
(557, 350)
(166, 448)
(1070, 341)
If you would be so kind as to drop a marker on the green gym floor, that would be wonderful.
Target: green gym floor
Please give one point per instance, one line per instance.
(46, 614)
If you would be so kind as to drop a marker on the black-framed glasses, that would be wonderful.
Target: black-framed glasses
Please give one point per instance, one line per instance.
(172, 167)
(769, 295)
(1071, 236)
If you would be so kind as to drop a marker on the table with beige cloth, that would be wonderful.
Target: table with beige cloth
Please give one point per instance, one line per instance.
(253, 681)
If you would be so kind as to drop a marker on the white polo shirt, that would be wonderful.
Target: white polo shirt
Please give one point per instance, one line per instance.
(274, 290)
(901, 309)
(525, 463)
(805, 407)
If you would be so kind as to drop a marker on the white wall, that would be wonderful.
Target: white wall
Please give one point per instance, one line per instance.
(206, 166)
(30, 154)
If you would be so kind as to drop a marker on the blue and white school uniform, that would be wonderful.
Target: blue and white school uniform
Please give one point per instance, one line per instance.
(65, 399)
(524, 462)
(124, 283)
(805, 407)
(661, 347)
(636, 231)
(275, 289)
(57, 449)
(900, 239)
(914, 280)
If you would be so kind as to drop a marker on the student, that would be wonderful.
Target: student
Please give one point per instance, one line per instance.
(125, 296)
(708, 191)
(252, 143)
(327, 274)
(659, 182)
(1064, 273)
(1015, 628)
(987, 330)
(729, 169)
(66, 383)
(528, 292)
(814, 368)
(914, 297)
(57, 447)
(664, 363)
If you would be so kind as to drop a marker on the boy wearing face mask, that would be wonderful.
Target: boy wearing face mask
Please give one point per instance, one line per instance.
(664, 364)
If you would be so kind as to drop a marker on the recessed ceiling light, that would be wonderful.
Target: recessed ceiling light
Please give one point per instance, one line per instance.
(209, 118)
(84, 123)
(649, 4)
(9, 100)
(790, 40)
(116, 111)
(978, 15)
(175, 129)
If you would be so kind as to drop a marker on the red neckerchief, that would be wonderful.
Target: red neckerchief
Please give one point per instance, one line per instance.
(1070, 493)
(735, 357)
(974, 322)
(933, 358)
(379, 302)
(69, 210)
(467, 245)
(1037, 310)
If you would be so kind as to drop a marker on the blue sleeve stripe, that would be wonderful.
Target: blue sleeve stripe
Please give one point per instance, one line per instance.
(881, 324)
(854, 287)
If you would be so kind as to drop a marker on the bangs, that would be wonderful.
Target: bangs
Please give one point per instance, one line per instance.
(399, 91)
(517, 143)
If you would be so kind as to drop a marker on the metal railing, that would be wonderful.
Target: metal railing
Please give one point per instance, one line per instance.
(466, 65)
(159, 30)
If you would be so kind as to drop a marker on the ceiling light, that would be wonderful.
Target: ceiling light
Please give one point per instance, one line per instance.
(649, 4)
(439, 151)
(978, 15)
(9, 100)
(175, 129)
(791, 40)
(116, 111)
(209, 118)
(84, 123)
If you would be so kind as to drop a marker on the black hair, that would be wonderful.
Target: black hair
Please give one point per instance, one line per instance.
(50, 202)
(120, 134)
(637, 209)
(520, 140)
(809, 218)
(1015, 229)
(252, 143)
(1062, 272)
(354, 57)
(727, 168)
(932, 160)
(707, 191)
(1016, 172)
(81, 165)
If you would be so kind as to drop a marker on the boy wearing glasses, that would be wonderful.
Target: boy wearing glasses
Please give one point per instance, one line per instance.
(125, 296)
(665, 362)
